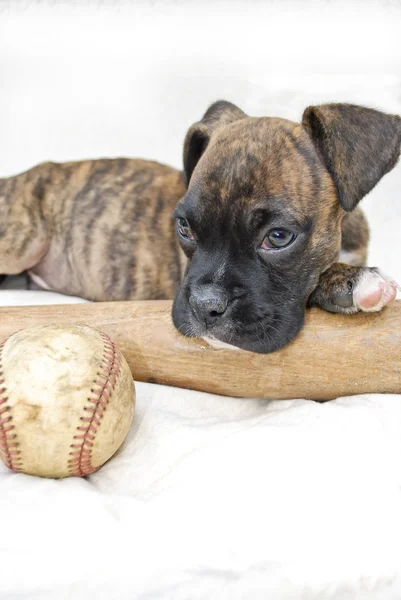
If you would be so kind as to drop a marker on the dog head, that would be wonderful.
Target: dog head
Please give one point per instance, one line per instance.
(261, 219)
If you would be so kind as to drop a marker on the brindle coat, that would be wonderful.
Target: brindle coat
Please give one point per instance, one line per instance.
(100, 229)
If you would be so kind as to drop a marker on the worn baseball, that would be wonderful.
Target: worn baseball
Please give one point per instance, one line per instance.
(67, 400)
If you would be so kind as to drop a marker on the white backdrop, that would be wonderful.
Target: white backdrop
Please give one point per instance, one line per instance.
(88, 79)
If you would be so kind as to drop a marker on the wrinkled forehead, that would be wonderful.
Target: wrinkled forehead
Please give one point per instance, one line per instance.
(255, 159)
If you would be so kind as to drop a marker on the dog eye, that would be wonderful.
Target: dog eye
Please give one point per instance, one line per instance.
(278, 238)
(184, 229)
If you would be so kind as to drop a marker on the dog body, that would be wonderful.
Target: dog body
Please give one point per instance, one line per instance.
(267, 215)
(100, 229)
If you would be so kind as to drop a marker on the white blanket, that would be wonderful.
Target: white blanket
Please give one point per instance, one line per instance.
(214, 497)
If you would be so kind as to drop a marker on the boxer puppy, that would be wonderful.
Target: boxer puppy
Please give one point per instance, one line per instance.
(100, 229)
(270, 221)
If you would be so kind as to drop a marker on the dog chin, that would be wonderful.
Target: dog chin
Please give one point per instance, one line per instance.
(219, 345)
(260, 346)
(225, 337)
(228, 335)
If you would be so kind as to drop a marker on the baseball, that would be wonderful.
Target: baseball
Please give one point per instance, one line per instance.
(67, 400)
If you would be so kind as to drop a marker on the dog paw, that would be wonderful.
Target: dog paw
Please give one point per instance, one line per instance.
(347, 289)
(373, 290)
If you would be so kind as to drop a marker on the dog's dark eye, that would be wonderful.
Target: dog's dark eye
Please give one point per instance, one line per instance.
(184, 229)
(278, 238)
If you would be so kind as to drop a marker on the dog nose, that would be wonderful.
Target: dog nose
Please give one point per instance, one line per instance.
(209, 303)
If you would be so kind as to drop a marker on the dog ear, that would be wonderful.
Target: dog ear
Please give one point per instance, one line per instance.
(357, 145)
(218, 115)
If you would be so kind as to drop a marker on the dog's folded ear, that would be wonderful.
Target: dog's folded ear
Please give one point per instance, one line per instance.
(357, 145)
(218, 115)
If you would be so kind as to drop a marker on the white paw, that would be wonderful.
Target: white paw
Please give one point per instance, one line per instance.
(373, 291)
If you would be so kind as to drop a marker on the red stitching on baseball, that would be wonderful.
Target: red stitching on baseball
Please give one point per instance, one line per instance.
(8, 440)
(80, 463)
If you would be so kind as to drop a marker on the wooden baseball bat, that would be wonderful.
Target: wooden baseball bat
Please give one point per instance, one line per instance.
(334, 355)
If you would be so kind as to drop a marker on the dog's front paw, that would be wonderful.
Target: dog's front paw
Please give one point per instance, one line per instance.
(373, 290)
(347, 289)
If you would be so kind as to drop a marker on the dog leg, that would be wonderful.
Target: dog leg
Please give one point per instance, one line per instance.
(348, 289)
(352, 287)
(354, 239)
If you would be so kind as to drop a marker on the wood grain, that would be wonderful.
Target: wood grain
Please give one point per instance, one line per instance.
(335, 355)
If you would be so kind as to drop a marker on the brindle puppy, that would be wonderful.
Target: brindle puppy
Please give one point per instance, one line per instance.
(268, 215)
(263, 223)
(97, 229)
